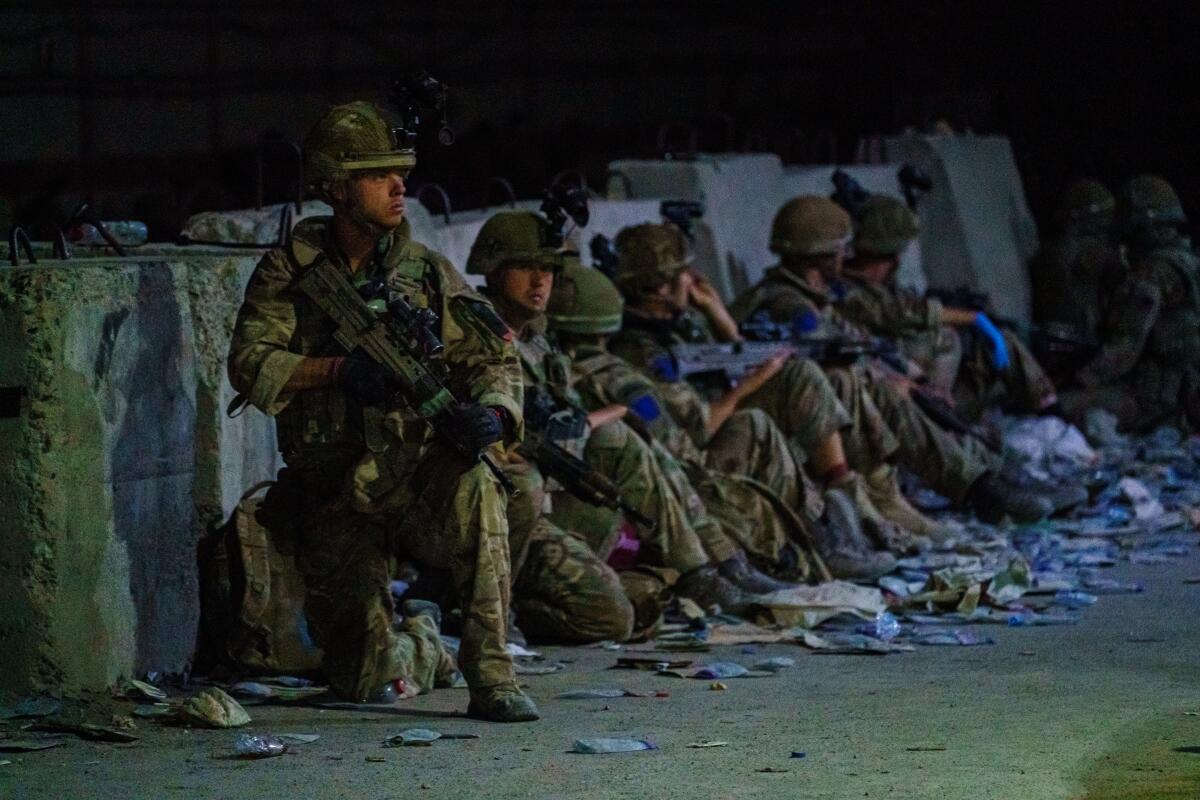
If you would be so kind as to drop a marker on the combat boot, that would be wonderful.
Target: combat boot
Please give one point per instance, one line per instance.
(992, 500)
(1062, 494)
(706, 586)
(502, 703)
(883, 488)
(843, 546)
(884, 532)
(741, 573)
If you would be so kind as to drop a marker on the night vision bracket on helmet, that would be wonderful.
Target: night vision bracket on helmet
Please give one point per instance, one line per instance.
(414, 95)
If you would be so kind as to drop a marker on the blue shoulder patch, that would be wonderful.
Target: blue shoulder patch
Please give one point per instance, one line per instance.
(646, 407)
(806, 322)
(664, 368)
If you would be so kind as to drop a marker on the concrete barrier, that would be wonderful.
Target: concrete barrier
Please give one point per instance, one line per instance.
(977, 229)
(115, 454)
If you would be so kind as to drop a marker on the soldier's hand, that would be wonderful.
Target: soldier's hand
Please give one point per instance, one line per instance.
(769, 369)
(370, 383)
(702, 293)
(476, 425)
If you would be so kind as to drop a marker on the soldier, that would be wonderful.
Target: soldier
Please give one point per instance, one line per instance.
(810, 235)
(516, 254)
(842, 435)
(744, 465)
(976, 376)
(1147, 370)
(366, 475)
(1074, 274)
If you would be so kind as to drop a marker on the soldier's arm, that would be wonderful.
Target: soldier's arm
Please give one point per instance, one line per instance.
(479, 344)
(887, 312)
(1135, 308)
(260, 364)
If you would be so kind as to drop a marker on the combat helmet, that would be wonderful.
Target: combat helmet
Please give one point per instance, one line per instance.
(349, 138)
(510, 237)
(1149, 201)
(649, 255)
(810, 226)
(1084, 200)
(885, 227)
(584, 301)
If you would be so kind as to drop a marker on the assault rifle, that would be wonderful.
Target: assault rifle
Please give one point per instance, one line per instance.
(844, 351)
(546, 423)
(736, 360)
(403, 341)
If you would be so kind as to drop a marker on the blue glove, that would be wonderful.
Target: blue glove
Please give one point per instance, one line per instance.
(999, 348)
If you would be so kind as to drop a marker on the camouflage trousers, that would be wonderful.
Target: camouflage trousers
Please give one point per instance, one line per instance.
(802, 403)
(1022, 387)
(939, 353)
(562, 589)
(752, 481)
(1152, 395)
(889, 427)
(685, 536)
(454, 519)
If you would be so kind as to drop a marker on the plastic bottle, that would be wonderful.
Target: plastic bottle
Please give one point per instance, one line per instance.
(249, 745)
(1074, 599)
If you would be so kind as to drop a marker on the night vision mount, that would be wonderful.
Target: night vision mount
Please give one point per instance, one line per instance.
(682, 214)
(560, 203)
(415, 95)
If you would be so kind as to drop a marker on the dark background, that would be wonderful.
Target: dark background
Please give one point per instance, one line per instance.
(155, 110)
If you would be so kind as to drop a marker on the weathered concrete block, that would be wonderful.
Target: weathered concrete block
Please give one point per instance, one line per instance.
(114, 455)
(977, 229)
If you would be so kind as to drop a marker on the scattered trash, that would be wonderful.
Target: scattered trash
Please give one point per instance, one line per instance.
(884, 627)
(717, 686)
(4, 762)
(651, 664)
(833, 643)
(213, 708)
(925, 749)
(517, 651)
(1145, 506)
(413, 737)
(28, 745)
(773, 664)
(1075, 599)
(1048, 446)
(702, 745)
(809, 606)
(140, 690)
(719, 669)
(298, 738)
(375, 759)
(798, 754)
(606, 745)
(522, 668)
(596, 694)
(32, 708)
(771, 769)
(953, 638)
(94, 733)
(252, 690)
(612, 646)
(248, 745)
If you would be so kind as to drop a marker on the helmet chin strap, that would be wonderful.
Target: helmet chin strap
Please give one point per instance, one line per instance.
(354, 211)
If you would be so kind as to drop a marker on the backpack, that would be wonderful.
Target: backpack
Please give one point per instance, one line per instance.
(252, 596)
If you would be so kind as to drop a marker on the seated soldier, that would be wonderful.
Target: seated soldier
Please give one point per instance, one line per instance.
(519, 256)
(810, 235)
(975, 377)
(1147, 371)
(741, 462)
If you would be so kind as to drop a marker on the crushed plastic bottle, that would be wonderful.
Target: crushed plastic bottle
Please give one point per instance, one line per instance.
(1074, 599)
(607, 745)
(391, 692)
(884, 627)
(250, 745)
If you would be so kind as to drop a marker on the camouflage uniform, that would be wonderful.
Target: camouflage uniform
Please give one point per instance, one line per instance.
(886, 423)
(372, 481)
(1147, 371)
(956, 362)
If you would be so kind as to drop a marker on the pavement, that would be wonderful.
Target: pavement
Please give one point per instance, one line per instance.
(1108, 708)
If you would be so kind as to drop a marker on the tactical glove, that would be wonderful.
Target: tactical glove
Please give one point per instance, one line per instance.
(995, 338)
(476, 426)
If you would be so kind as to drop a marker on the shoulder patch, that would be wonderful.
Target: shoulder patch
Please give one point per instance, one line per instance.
(664, 368)
(645, 407)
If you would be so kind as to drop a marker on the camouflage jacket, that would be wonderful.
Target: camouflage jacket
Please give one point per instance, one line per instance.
(1073, 278)
(888, 311)
(785, 296)
(1152, 331)
(677, 419)
(278, 326)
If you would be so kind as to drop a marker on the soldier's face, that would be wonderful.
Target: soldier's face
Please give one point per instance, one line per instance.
(527, 286)
(378, 195)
